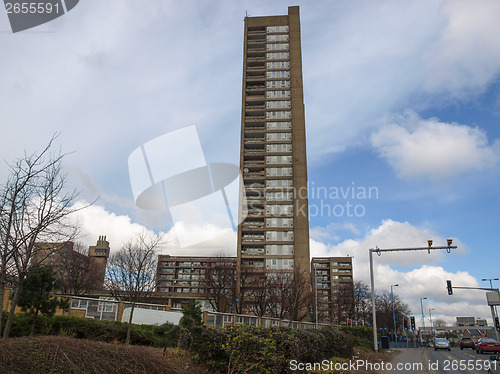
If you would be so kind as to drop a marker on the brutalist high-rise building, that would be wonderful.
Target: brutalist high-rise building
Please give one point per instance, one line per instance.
(275, 234)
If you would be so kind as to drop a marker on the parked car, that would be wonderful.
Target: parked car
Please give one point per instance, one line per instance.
(467, 343)
(441, 343)
(487, 345)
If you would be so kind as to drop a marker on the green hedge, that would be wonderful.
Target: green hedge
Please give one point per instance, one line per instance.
(263, 350)
(165, 335)
(362, 335)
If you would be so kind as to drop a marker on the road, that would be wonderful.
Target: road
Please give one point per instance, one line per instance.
(428, 361)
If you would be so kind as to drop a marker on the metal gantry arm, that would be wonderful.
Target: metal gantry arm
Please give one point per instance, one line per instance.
(379, 251)
(492, 307)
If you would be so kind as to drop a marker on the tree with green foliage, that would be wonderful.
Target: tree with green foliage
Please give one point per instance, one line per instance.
(191, 314)
(35, 295)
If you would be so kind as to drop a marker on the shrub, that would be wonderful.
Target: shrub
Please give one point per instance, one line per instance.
(263, 350)
(165, 335)
(362, 336)
(64, 355)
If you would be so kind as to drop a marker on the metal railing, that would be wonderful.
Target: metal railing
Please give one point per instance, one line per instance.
(220, 320)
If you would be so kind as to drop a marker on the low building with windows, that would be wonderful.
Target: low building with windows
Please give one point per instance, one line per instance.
(332, 281)
(80, 271)
(180, 278)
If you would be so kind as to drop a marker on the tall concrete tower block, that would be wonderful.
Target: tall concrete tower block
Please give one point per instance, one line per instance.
(274, 238)
(99, 255)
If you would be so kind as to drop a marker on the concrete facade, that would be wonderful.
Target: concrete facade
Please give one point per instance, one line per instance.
(275, 235)
(332, 281)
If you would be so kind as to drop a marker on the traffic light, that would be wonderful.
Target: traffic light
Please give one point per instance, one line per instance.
(497, 324)
(360, 323)
(349, 323)
(450, 288)
(405, 323)
(412, 321)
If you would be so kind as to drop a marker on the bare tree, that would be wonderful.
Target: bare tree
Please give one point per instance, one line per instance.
(440, 323)
(281, 288)
(362, 302)
(258, 293)
(383, 304)
(343, 302)
(299, 296)
(131, 272)
(34, 207)
(220, 283)
(77, 273)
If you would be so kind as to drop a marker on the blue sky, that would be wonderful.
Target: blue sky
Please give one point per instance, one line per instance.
(400, 96)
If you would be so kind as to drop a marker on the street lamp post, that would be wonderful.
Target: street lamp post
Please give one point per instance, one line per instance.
(316, 297)
(430, 317)
(379, 251)
(490, 279)
(394, 314)
(423, 318)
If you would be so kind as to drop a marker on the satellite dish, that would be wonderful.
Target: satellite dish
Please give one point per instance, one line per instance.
(245, 170)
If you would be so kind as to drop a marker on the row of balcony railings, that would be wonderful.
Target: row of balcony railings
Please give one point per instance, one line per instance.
(253, 162)
(256, 198)
(252, 251)
(256, 126)
(254, 151)
(271, 129)
(260, 56)
(257, 98)
(249, 238)
(255, 140)
(269, 140)
(256, 78)
(221, 320)
(255, 85)
(254, 186)
(256, 67)
(253, 106)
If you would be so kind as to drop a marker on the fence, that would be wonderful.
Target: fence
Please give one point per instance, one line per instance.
(219, 320)
(112, 310)
(108, 309)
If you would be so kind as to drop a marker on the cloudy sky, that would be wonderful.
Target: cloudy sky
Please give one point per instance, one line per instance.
(402, 112)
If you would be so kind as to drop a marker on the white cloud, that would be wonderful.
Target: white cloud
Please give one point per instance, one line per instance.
(386, 56)
(390, 234)
(223, 242)
(425, 277)
(428, 148)
(329, 232)
(464, 58)
(113, 79)
(95, 221)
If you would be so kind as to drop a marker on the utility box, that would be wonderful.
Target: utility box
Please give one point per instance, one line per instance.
(493, 298)
(384, 343)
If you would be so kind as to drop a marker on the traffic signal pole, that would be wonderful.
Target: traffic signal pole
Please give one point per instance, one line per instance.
(374, 313)
(492, 306)
(379, 251)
